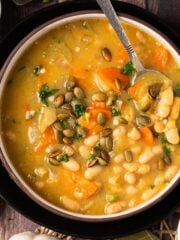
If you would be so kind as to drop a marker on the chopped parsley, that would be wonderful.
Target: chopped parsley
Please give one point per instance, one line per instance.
(78, 136)
(128, 69)
(92, 156)
(45, 93)
(79, 110)
(177, 90)
(63, 158)
(164, 139)
(37, 70)
(115, 112)
(63, 123)
(167, 151)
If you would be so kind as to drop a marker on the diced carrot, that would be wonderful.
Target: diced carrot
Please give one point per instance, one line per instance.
(97, 129)
(147, 135)
(85, 123)
(133, 91)
(86, 187)
(162, 57)
(108, 75)
(95, 104)
(47, 138)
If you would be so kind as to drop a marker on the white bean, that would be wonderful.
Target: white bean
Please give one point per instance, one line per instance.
(172, 136)
(163, 110)
(113, 180)
(157, 150)
(70, 204)
(175, 109)
(117, 132)
(71, 165)
(131, 167)
(130, 178)
(91, 173)
(149, 193)
(144, 169)
(159, 126)
(117, 169)
(84, 151)
(171, 172)
(115, 207)
(119, 158)
(131, 190)
(40, 172)
(146, 156)
(91, 140)
(134, 134)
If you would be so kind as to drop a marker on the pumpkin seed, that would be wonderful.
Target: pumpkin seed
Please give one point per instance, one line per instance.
(67, 140)
(106, 132)
(106, 143)
(99, 97)
(69, 150)
(59, 100)
(106, 54)
(91, 162)
(104, 155)
(143, 121)
(128, 155)
(167, 160)
(54, 153)
(68, 133)
(101, 118)
(72, 122)
(58, 136)
(81, 131)
(69, 96)
(70, 84)
(66, 107)
(57, 126)
(61, 116)
(102, 161)
(79, 93)
(53, 161)
(154, 90)
(117, 83)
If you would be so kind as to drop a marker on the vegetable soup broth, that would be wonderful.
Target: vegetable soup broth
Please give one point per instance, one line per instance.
(130, 158)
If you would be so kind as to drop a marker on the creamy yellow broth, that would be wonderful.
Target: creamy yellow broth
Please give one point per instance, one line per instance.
(142, 159)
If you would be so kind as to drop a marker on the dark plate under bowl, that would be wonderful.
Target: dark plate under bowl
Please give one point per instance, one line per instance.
(20, 201)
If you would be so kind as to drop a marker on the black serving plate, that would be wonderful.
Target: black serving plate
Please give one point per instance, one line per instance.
(13, 195)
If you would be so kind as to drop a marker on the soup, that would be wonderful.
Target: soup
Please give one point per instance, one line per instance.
(76, 130)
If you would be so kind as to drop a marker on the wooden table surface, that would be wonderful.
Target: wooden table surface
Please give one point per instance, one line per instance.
(12, 222)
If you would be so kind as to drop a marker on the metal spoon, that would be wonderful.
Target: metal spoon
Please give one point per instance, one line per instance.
(110, 13)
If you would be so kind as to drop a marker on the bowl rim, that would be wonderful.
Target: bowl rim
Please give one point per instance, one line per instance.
(26, 43)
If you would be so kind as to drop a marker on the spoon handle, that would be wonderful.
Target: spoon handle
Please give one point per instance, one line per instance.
(110, 13)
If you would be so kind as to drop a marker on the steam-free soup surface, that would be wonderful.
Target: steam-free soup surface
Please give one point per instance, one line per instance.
(75, 129)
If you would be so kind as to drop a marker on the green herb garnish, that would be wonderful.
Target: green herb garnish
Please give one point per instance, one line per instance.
(167, 151)
(63, 123)
(128, 69)
(79, 110)
(115, 112)
(164, 139)
(78, 137)
(63, 158)
(37, 70)
(92, 156)
(45, 93)
(177, 90)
